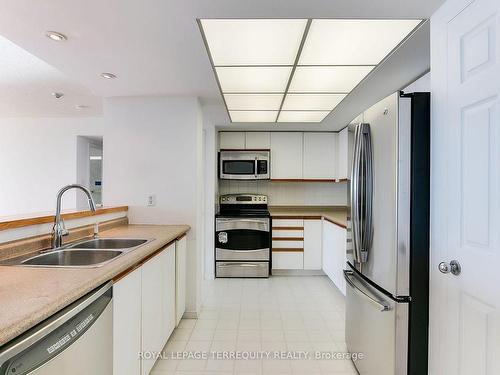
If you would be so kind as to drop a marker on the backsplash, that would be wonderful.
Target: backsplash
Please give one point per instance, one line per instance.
(291, 193)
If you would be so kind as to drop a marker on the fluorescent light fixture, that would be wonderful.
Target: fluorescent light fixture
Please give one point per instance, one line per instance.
(266, 102)
(95, 158)
(253, 41)
(295, 70)
(253, 116)
(260, 79)
(302, 116)
(353, 42)
(328, 79)
(312, 102)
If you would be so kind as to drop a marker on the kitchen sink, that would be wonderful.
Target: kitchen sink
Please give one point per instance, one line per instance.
(108, 243)
(72, 258)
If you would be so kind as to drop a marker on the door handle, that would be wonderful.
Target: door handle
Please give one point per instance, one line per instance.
(453, 267)
(381, 305)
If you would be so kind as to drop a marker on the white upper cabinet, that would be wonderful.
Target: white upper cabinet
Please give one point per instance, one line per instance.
(286, 155)
(343, 162)
(232, 140)
(258, 140)
(320, 156)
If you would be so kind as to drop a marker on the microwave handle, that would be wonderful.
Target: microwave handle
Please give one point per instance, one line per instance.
(255, 168)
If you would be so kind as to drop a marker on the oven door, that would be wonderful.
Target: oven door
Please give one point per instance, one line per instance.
(242, 239)
(244, 165)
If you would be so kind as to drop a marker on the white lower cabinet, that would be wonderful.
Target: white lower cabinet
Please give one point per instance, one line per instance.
(288, 260)
(180, 280)
(334, 253)
(127, 310)
(144, 312)
(313, 242)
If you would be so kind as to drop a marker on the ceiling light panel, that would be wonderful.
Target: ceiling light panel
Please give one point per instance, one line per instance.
(265, 102)
(302, 116)
(253, 41)
(327, 79)
(312, 102)
(353, 42)
(253, 116)
(253, 79)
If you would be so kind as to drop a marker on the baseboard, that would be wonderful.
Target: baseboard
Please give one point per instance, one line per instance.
(298, 273)
(190, 315)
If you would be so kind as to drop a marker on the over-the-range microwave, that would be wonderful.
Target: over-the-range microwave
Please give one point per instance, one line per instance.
(244, 165)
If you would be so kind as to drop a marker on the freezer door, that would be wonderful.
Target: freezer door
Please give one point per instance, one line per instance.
(386, 261)
(376, 328)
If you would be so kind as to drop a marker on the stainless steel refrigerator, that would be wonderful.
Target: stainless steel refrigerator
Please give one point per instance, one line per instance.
(387, 273)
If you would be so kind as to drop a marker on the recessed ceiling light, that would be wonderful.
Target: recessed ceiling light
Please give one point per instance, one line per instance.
(108, 75)
(57, 95)
(54, 35)
(80, 107)
(253, 116)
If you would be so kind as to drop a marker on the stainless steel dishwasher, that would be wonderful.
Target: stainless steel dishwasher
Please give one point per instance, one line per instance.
(77, 340)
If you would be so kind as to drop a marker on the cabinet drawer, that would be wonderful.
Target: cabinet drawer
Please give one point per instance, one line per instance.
(242, 269)
(292, 233)
(288, 261)
(288, 223)
(288, 244)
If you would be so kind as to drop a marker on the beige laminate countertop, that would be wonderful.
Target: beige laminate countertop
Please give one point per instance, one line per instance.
(334, 214)
(28, 295)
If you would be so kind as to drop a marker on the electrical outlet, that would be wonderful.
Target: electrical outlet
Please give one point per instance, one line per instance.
(151, 200)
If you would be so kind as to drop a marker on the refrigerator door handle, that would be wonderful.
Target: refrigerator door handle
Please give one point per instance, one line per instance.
(381, 305)
(355, 196)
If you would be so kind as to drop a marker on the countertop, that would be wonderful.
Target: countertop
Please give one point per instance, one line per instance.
(28, 295)
(334, 214)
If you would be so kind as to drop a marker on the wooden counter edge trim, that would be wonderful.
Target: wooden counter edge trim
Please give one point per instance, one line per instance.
(332, 181)
(288, 228)
(336, 223)
(288, 238)
(18, 223)
(139, 263)
(287, 250)
(296, 217)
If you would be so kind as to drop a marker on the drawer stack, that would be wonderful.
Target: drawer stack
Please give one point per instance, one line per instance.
(288, 244)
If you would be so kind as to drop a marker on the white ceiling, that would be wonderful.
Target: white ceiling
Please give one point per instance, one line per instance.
(155, 47)
(27, 84)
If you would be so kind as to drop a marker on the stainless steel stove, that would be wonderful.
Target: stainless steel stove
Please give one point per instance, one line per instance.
(243, 236)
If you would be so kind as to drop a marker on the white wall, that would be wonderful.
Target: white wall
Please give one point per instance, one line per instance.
(153, 145)
(37, 157)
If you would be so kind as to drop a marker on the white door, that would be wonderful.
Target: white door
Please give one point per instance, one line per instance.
(465, 319)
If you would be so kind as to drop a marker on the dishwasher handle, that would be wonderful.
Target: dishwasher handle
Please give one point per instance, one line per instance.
(51, 337)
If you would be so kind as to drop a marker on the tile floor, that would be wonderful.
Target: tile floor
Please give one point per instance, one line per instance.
(290, 314)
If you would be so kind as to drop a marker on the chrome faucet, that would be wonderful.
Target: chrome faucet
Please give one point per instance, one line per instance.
(59, 230)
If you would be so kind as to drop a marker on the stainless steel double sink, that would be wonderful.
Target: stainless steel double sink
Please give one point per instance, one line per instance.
(88, 253)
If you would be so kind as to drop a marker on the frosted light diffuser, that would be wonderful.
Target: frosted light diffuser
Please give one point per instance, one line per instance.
(302, 116)
(253, 41)
(328, 79)
(253, 116)
(353, 42)
(253, 101)
(253, 79)
(312, 102)
(295, 70)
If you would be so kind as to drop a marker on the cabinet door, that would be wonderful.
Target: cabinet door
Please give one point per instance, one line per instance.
(343, 164)
(334, 257)
(127, 324)
(232, 140)
(168, 321)
(312, 244)
(320, 156)
(180, 278)
(257, 140)
(152, 308)
(286, 155)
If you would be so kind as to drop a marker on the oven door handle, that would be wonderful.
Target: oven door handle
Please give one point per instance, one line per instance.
(246, 224)
(244, 251)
